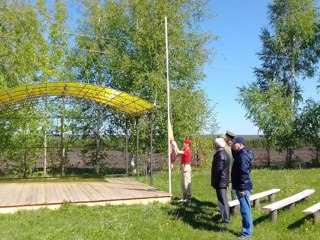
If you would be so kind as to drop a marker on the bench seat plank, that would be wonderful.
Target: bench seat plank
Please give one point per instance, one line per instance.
(263, 194)
(256, 196)
(314, 211)
(289, 200)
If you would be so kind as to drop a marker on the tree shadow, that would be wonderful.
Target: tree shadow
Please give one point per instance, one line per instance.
(199, 215)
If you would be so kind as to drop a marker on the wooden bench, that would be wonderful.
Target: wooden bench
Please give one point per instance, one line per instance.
(290, 201)
(255, 198)
(314, 210)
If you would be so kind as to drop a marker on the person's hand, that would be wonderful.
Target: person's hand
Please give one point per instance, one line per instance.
(241, 194)
(175, 147)
(174, 144)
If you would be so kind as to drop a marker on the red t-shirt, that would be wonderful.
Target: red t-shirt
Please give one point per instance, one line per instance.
(185, 157)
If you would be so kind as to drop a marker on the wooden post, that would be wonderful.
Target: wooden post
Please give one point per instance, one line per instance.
(316, 216)
(235, 209)
(274, 215)
(256, 203)
(272, 197)
(291, 206)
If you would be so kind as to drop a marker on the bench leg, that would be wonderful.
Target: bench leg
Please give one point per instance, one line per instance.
(316, 217)
(235, 209)
(274, 215)
(232, 210)
(272, 197)
(291, 206)
(256, 203)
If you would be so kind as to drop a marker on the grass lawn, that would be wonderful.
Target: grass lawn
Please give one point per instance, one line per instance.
(198, 220)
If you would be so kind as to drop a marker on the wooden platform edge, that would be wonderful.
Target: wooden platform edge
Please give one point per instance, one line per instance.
(143, 201)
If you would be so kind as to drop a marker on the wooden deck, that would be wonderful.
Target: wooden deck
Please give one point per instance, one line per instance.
(27, 196)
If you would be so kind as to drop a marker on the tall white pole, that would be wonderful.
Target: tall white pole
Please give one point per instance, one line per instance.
(168, 102)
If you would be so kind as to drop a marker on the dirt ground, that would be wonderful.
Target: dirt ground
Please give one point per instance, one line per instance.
(117, 159)
(302, 157)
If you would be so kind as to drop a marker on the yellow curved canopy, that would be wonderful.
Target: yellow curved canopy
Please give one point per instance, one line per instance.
(117, 99)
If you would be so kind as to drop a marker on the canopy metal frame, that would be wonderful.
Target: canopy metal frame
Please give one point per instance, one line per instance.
(122, 101)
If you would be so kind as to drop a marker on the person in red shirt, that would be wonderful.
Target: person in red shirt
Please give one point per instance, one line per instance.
(185, 168)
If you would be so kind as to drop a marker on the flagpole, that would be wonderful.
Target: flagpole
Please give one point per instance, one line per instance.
(168, 102)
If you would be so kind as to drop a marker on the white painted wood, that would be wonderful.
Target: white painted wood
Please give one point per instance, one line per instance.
(264, 194)
(256, 196)
(312, 209)
(289, 201)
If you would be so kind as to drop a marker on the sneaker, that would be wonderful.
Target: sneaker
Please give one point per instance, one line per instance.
(226, 222)
(244, 237)
(185, 200)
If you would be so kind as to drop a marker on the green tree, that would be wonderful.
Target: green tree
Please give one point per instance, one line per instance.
(20, 63)
(268, 110)
(21, 142)
(290, 52)
(124, 44)
(308, 126)
(34, 49)
(119, 44)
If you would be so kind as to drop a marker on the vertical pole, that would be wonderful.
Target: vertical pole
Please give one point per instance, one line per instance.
(151, 148)
(137, 141)
(97, 139)
(45, 152)
(62, 138)
(127, 140)
(45, 141)
(168, 103)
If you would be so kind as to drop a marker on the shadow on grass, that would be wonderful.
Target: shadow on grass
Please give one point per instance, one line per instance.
(261, 219)
(298, 223)
(199, 215)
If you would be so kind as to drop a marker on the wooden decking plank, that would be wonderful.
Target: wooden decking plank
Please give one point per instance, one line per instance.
(114, 191)
(91, 190)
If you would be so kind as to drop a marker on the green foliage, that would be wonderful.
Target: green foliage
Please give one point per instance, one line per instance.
(117, 44)
(308, 126)
(126, 51)
(21, 39)
(21, 136)
(269, 110)
(257, 143)
(33, 49)
(290, 52)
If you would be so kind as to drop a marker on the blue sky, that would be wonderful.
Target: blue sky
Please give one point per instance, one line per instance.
(238, 25)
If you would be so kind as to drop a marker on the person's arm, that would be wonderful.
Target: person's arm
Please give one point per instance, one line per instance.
(176, 149)
(244, 173)
(219, 167)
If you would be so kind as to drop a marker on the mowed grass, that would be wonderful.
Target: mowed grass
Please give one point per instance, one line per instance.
(198, 220)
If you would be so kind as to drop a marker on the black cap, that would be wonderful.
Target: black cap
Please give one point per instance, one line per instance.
(239, 140)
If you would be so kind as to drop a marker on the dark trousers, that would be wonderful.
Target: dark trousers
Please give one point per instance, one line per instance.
(223, 204)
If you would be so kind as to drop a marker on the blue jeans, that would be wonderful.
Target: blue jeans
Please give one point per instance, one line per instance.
(245, 209)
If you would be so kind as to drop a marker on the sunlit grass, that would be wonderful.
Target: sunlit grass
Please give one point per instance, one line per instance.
(198, 220)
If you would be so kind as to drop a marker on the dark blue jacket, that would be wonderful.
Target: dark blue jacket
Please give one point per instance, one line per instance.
(241, 168)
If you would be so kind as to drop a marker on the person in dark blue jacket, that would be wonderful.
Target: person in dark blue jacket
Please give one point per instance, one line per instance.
(241, 182)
